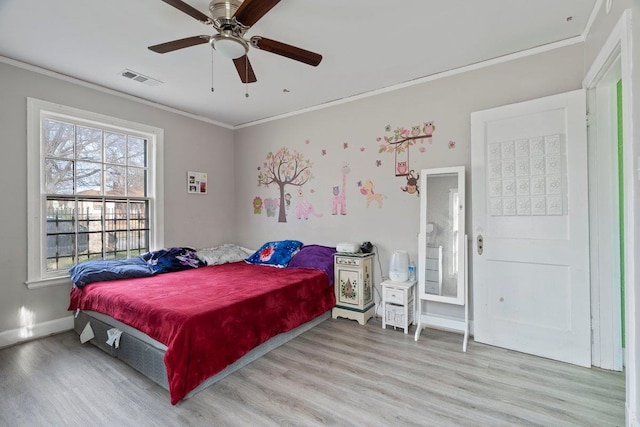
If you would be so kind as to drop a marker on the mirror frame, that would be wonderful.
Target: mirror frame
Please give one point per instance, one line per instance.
(459, 299)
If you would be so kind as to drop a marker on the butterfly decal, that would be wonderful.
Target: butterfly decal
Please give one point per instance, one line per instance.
(324, 152)
(378, 163)
(345, 145)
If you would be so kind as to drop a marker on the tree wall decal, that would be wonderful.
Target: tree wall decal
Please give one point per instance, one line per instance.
(285, 167)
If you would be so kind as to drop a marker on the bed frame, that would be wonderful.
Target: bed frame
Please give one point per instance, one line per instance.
(146, 355)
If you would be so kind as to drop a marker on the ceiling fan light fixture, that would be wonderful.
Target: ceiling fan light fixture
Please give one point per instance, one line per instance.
(229, 46)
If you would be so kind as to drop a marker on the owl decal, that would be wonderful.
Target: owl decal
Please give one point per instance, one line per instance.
(428, 129)
(402, 168)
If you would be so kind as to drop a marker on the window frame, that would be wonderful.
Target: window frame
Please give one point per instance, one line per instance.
(37, 110)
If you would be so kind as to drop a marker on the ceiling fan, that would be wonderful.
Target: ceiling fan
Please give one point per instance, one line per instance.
(231, 19)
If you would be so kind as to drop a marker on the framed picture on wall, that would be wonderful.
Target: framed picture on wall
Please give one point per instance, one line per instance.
(196, 182)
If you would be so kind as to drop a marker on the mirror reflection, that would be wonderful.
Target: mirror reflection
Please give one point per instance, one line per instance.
(441, 235)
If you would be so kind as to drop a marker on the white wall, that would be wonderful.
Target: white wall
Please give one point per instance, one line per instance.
(602, 27)
(447, 102)
(189, 219)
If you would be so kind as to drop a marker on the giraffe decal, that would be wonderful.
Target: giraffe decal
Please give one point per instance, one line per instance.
(340, 195)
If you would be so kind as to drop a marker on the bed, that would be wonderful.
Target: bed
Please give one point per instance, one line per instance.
(187, 329)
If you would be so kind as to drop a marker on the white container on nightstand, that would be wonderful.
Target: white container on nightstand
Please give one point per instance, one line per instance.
(398, 304)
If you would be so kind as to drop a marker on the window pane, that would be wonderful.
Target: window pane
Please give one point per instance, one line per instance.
(58, 176)
(116, 229)
(60, 229)
(88, 143)
(136, 181)
(58, 138)
(90, 229)
(88, 178)
(115, 215)
(115, 148)
(138, 218)
(138, 242)
(117, 244)
(114, 180)
(95, 244)
(138, 215)
(59, 264)
(89, 215)
(137, 151)
(139, 228)
(60, 238)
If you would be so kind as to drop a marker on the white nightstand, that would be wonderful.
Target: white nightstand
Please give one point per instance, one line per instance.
(398, 304)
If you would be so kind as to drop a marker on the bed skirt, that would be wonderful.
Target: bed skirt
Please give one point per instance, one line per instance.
(146, 355)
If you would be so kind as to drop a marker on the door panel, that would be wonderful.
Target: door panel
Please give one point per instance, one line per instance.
(529, 197)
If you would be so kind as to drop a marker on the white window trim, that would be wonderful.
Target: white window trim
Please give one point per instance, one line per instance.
(36, 277)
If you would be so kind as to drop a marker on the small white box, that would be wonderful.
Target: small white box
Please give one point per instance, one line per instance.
(348, 248)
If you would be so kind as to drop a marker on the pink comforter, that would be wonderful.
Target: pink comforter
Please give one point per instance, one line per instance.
(209, 317)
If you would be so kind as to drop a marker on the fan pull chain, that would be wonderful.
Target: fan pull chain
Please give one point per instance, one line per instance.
(212, 90)
(246, 76)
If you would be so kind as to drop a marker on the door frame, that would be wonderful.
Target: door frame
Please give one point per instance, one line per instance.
(619, 44)
(604, 210)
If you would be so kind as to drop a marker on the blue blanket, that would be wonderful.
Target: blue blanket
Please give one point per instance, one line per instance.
(155, 262)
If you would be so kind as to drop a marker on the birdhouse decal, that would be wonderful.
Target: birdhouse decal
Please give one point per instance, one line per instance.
(348, 289)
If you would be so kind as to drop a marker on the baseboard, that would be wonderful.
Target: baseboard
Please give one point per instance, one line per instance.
(39, 330)
(632, 417)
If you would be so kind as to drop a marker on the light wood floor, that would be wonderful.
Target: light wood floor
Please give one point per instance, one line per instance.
(339, 373)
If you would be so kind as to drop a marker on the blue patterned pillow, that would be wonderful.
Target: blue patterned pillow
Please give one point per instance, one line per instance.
(276, 254)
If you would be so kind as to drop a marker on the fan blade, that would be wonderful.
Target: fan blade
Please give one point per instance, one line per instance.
(286, 50)
(179, 44)
(245, 70)
(250, 11)
(189, 10)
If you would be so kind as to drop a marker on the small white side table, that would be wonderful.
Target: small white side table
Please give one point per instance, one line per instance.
(398, 304)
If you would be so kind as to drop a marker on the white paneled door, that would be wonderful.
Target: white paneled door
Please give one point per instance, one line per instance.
(530, 228)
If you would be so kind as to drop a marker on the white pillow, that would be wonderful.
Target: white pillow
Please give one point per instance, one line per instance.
(223, 254)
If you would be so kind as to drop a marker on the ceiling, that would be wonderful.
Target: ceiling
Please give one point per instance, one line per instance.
(367, 45)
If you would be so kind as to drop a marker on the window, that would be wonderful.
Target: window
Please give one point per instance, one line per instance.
(93, 189)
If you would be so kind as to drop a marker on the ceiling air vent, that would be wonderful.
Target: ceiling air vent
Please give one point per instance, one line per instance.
(140, 78)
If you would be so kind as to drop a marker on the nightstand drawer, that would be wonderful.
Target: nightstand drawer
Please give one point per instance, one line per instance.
(353, 262)
(395, 296)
